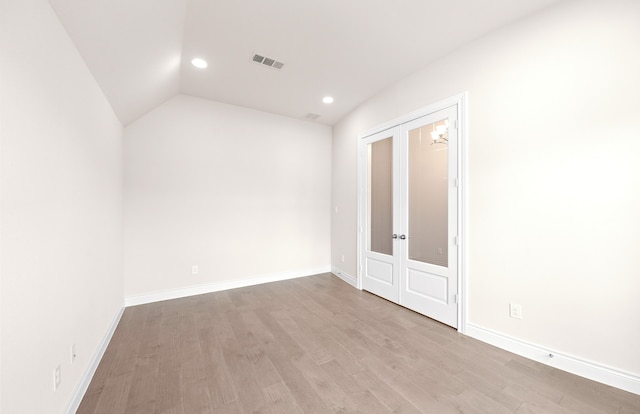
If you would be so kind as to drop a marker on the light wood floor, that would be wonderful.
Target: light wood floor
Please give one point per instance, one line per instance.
(317, 345)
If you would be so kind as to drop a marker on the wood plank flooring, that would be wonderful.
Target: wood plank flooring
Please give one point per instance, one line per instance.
(317, 345)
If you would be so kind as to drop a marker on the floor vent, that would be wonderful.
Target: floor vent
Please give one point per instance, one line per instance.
(272, 63)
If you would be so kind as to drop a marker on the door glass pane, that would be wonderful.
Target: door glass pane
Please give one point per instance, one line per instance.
(428, 215)
(381, 196)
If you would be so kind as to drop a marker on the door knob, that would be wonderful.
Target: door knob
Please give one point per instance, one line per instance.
(395, 236)
(402, 237)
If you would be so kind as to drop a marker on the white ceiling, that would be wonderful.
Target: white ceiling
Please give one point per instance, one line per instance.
(139, 51)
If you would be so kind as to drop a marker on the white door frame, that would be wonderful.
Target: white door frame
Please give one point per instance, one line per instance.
(461, 101)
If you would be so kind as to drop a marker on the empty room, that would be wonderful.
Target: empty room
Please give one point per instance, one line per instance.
(298, 206)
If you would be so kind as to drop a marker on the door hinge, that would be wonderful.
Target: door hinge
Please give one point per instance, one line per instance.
(455, 240)
(457, 182)
(455, 298)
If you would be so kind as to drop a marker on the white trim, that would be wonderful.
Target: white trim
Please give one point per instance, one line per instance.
(361, 214)
(463, 230)
(345, 276)
(83, 385)
(219, 286)
(419, 113)
(587, 369)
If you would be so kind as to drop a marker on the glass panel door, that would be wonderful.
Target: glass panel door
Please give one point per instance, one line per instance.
(408, 204)
(380, 209)
(428, 268)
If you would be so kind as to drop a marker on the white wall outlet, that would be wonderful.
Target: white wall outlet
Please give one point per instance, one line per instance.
(515, 311)
(342, 258)
(74, 354)
(195, 270)
(57, 377)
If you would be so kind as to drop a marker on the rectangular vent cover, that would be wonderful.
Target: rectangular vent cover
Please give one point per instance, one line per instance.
(311, 115)
(267, 61)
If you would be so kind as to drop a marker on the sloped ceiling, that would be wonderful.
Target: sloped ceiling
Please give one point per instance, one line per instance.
(139, 51)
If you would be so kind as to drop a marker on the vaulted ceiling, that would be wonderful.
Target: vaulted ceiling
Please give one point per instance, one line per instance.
(139, 51)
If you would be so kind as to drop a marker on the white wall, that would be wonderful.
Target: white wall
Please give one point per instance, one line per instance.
(240, 193)
(61, 210)
(554, 176)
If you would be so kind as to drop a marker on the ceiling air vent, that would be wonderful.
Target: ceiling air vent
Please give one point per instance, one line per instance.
(267, 61)
(311, 115)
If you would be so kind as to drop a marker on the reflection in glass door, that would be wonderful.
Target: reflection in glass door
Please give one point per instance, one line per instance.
(428, 196)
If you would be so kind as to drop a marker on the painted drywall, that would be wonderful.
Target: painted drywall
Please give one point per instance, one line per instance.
(61, 211)
(553, 176)
(239, 193)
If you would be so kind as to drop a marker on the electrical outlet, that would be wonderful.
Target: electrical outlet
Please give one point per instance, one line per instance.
(195, 270)
(342, 258)
(57, 377)
(515, 311)
(74, 354)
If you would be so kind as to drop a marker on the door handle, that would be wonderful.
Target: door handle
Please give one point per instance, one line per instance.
(402, 237)
(395, 236)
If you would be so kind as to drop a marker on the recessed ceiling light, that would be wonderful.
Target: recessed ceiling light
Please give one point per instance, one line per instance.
(327, 99)
(199, 63)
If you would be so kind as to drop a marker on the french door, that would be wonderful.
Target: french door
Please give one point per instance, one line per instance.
(409, 201)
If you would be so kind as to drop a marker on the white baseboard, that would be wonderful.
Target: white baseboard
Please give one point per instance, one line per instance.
(82, 386)
(345, 276)
(587, 369)
(219, 286)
